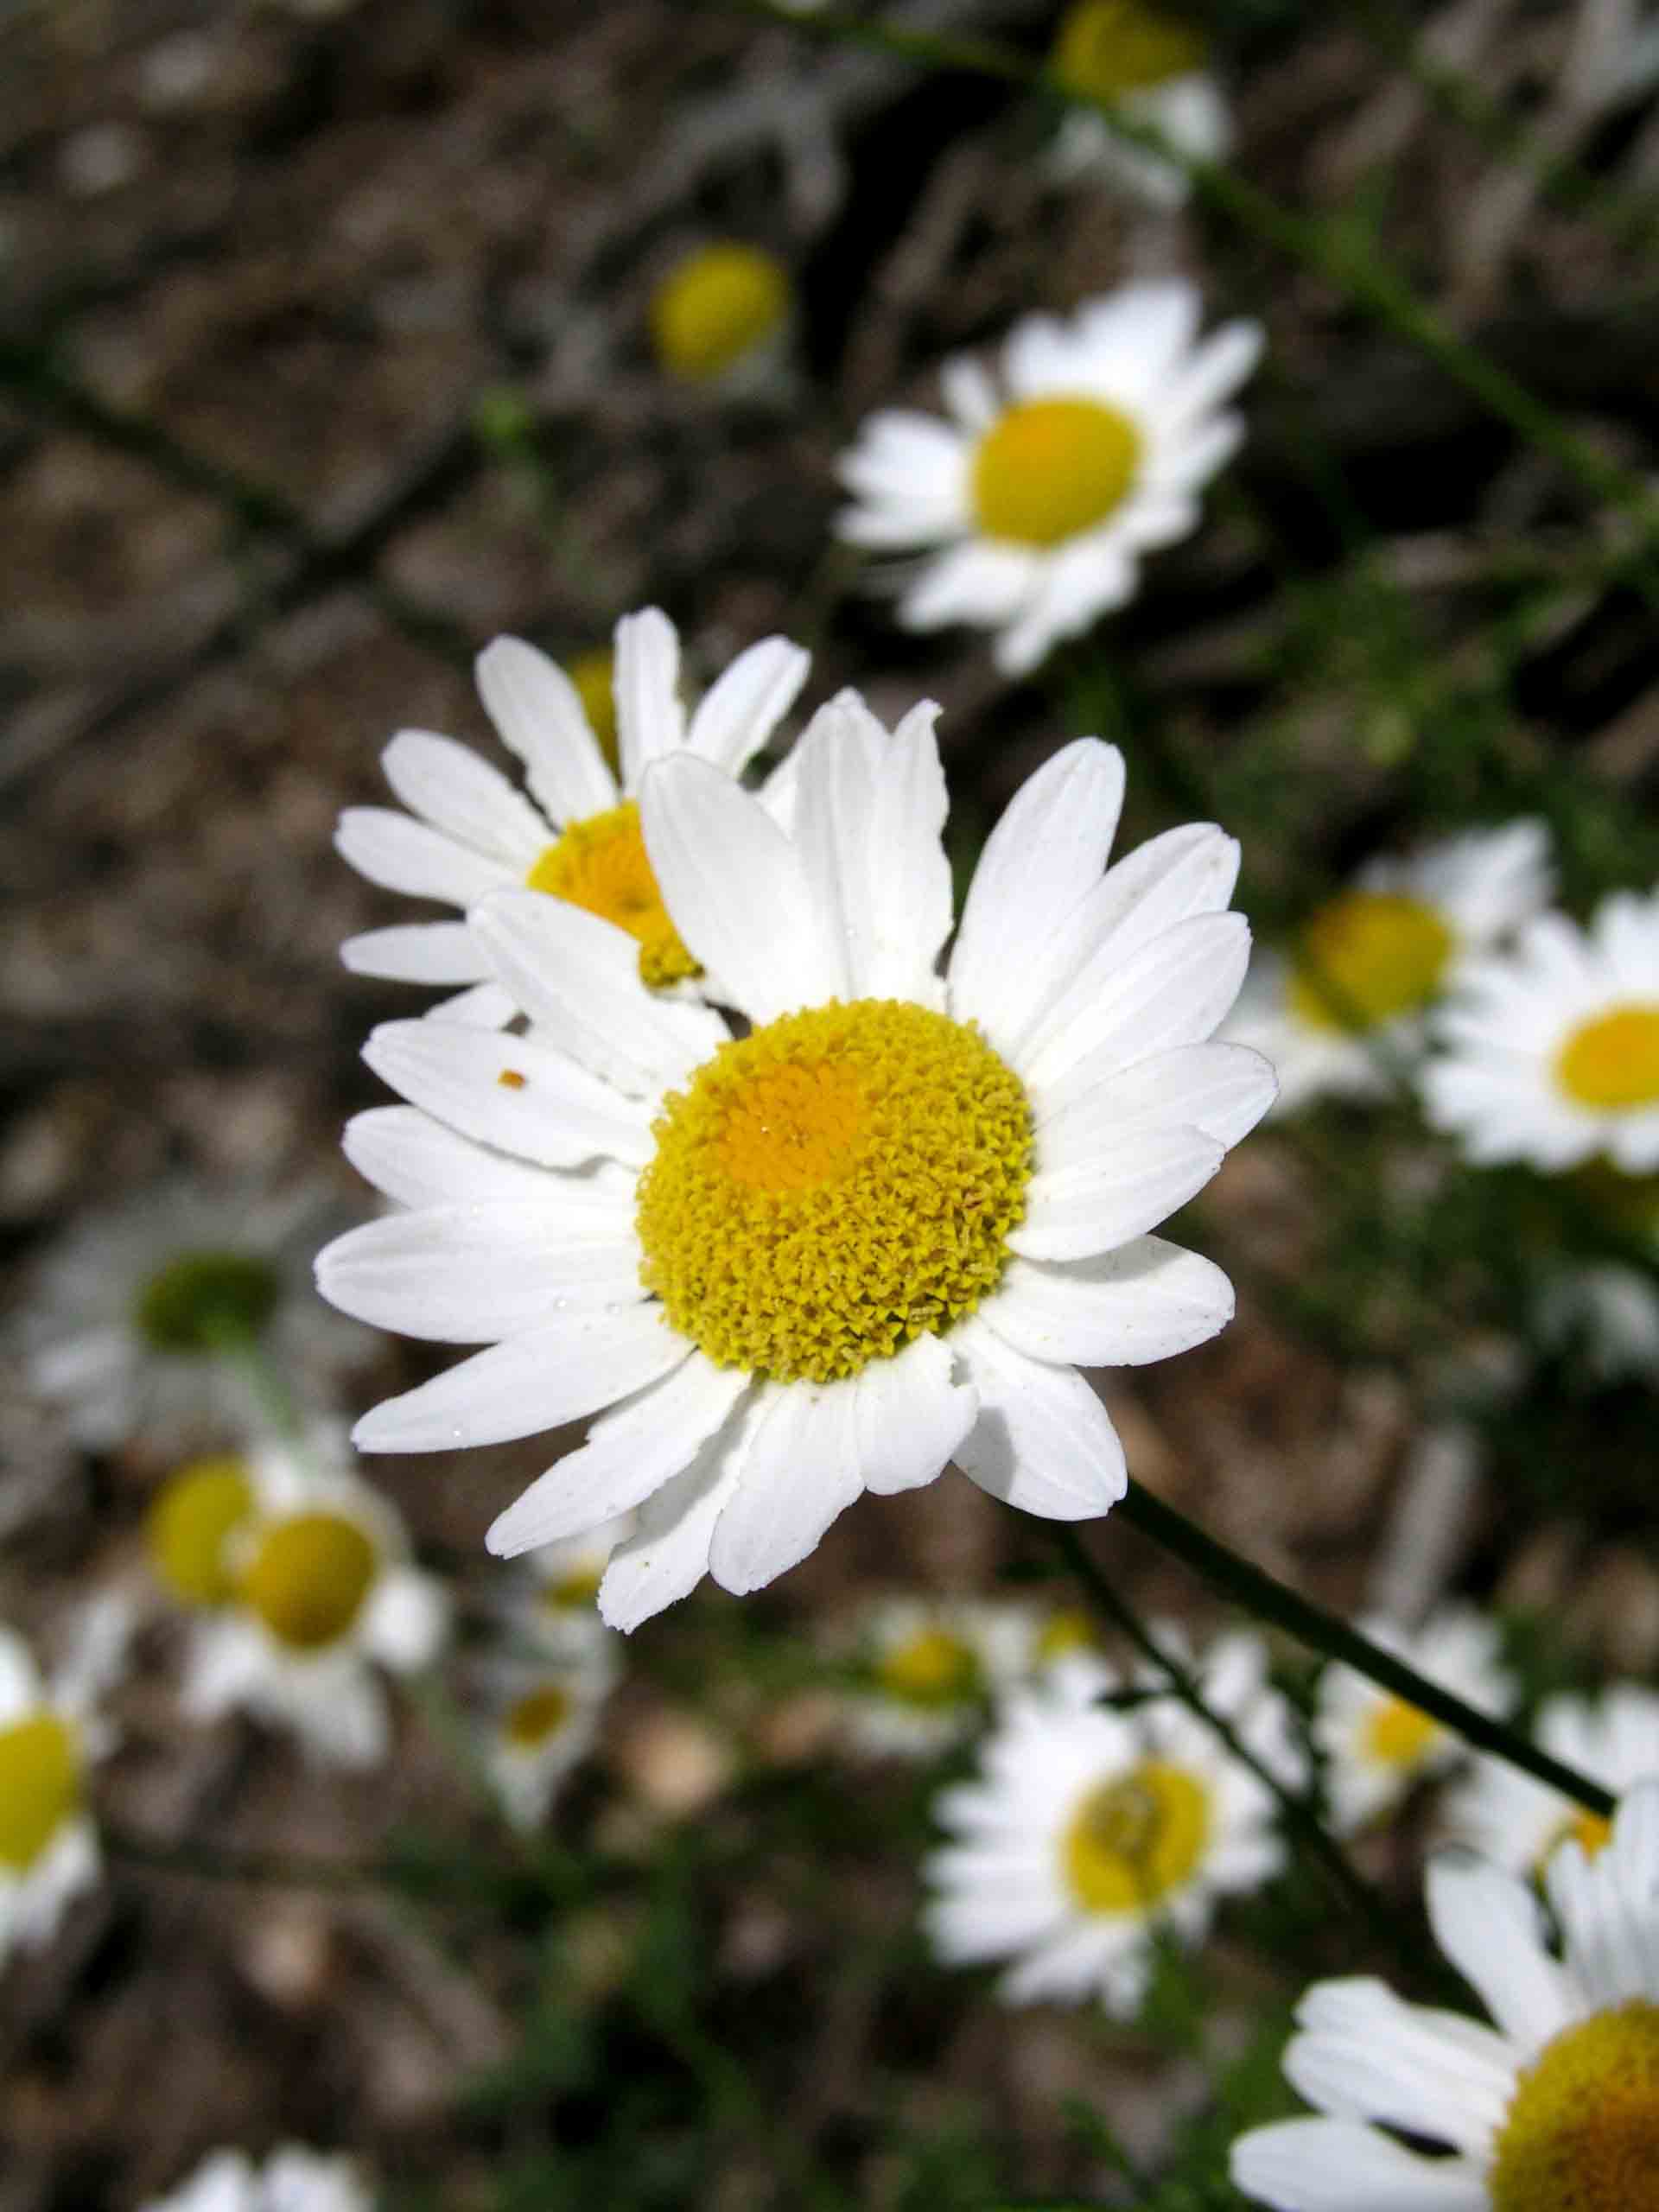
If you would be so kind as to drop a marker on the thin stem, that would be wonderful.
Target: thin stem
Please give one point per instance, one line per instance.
(1263, 1594)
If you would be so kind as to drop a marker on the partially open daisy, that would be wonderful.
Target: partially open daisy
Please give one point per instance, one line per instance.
(49, 1736)
(880, 1230)
(1371, 961)
(576, 835)
(543, 1719)
(1378, 1747)
(1093, 1833)
(1518, 1822)
(928, 1669)
(314, 1588)
(1550, 1053)
(292, 2179)
(1043, 491)
(1553, 2109)
(721, 308)
(1153, 68)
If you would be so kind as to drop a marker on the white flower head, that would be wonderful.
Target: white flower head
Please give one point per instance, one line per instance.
(292, 2179)
(319, 1591)
(1152, 69)
(1035, 501)
(1378, 1745)
(1517, 1821)
(1554, 2107)
(882, 1231)
(1092, 1833)
(129, 1316)
(50, 1734)
(559, 1612)
(1608, 1313)
(1376, 956)
(544, 1718)
(575, 835)
(928, 1669)
(1550, 1052)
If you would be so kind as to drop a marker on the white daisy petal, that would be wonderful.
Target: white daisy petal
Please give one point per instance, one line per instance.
(973, 582)
(1364, 2054)
(1215, 369)
(1223, 1090)
(800, 1470)
(1147, 1300)
(403, 855)
(512, 1092)
(1488, 1924)
(539, 714)
(741, 708)
(911, 1416)
(1175, 989)
(1102, 1197)
(417, 1161)
(486, 1006)
(1336, 2165)
(447, 785)
(1042, 1441)
(667, 1554)
(418, 952)
(650, 720)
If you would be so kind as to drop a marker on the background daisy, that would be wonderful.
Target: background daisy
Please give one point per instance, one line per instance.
(1153, 67)
(929, 1669)
(50, 1734)
(1517, 1821)
(544, 1718)
(292, 2179)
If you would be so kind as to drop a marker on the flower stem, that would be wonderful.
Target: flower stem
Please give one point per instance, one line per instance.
(1269, 1599)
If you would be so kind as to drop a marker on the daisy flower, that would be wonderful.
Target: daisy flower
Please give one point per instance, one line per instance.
(545, 1721)
(129, 1318)
(291, 2180)
(1152, 69)
(721, 307)
(1608, 1313)
(576, 836)
(1550, 1053)
(1093, 1833)
(881, 1230)
(928, 1670)
(314, 1587)
(1517, 1821)
(562, 1607)
(1035, 503)
(1373, 959)
(1553, 2109)
(1378, 1747)
(49, 1736)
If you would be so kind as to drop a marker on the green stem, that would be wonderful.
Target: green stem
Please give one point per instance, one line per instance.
(1260, 1593)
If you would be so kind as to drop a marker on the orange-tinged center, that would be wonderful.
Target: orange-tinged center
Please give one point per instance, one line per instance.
(1612, 1064)
(308, 1579)
(1048, 469)
(1582, 2130)
(1367, 958)
(601, 864)
(1133, 1841)
(40, 1786)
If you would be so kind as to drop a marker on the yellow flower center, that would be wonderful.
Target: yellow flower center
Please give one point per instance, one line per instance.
(601, 864)
(1397, 1734)
(1108, 47)
(308, 1579)
(195, 1512)
(934, 1669)
(717, 304)
(199, 1301)
(539, 1715)
(40, 1786)
(572, 1592)
(1612, 1064)
(1069, 1630)
(1049, 468)
(594, 677)
(1370, 955)
(1592, 1831)
(839, 1182)
(1582, 2130)
(1133, 1841)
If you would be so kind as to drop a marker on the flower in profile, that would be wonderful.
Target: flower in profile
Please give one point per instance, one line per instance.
(881, 1230)
(1152, 67)
(576, 835)
(1553, 2109)
(1518, 1822)
(1035, 503)
(1371, 961)
(1092, 1833)
(1550, 1052)
(292, 2179)
(1378, 1747)
(719, 308)
(545, 1717)
(927, 1671)
(311, 1586)
(134, 1317)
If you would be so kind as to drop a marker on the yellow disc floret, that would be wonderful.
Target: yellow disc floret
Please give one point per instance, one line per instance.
(574, 1591)
(1612, 1064)
(1397, 1735)
(308, 1578)
(1049, 468)
(40, 1786)
(196, 1510)
(1133, 1841)
(719, 303)
(535, 1716)
(1369, 956)
(1068, 1629)
(836, 1185)
(1582, 2130)
(1108, 47)
(593, 675)
(601, 864)
(932, 1668)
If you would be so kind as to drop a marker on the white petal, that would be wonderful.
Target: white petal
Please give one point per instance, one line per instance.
(418, 952)
(486, 1006)
(911, 1416)
(741, 708)
(800, 1470)
(1147, 1300)
(449, 786)
(557, 1115)
(1490, 1927)
(629, 1454)
(538, 712)
(910, 888)
(1223, 1089)
(1213, 371)
(1044, 856)
(980, 581)
(1336, 2165)
(650, 720)
(403, 855)
(410, 1157)
(407, 1619)
(667, 1555)
(474, 1273)
(1100, 1201)
(580, 976)
(1362, 2054)
(583, 1361)
(1176, 989)
(735, 886)
(1043, 1440)
(968, 392)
